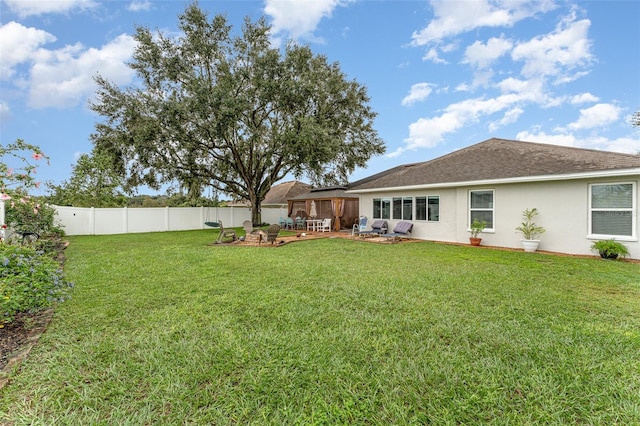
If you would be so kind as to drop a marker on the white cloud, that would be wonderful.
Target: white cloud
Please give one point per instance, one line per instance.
(429, 132)
(584, 98)
(299, 18)
(24, 8)
(457, 17)
(5, 111)
(432, 55)
(541, 137)
(418, 92)
(139, 6)
(596, 116)
(554, 54)
(627, 145)
(481, 55)
(509, 117)
(19, 45)
(64, 77)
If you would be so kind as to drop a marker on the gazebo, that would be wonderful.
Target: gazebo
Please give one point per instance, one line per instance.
(331, 202)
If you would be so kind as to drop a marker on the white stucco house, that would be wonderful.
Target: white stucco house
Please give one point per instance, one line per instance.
(582, 195)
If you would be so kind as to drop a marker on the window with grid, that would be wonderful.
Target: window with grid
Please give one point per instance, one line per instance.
(481, 207)
(611, 209)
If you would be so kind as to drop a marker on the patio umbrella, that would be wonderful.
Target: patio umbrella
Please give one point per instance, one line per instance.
(312, 210)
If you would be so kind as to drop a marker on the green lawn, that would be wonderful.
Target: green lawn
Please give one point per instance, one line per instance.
(166, 329)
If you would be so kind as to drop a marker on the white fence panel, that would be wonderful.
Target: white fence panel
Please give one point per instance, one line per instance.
(74, 220)
(273, 215)
(184, 218)
(141, 220)
(92, 221)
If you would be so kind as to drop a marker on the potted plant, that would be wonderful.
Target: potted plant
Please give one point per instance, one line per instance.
(477, 226)
(529, 230)
(610, 249)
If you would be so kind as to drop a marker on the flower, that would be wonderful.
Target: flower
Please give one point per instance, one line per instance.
(4, 226)
(38, 156)
(5, 196)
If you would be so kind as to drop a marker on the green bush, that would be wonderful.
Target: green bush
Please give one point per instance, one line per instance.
(610, 249)
(31, 217)
(29, 281)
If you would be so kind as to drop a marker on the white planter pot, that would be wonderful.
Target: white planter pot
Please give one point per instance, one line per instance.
(530, 245)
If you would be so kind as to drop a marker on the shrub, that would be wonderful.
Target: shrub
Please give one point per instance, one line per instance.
(477, 226)
(29, 281)
(31, 217)
(610, 249)
(528, 227)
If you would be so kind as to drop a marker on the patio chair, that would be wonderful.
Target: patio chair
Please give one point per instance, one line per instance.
(272, 233)
(360, 226)
(401, 230)
(325, 225)
(300, 222)
(289, 224)
(224, 234)
(248, 227)
(378, 227)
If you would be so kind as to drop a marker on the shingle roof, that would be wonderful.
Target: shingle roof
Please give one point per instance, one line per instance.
(279, 194)
(324, 194)
(499, 159)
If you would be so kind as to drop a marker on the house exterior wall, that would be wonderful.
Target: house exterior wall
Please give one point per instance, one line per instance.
(563, 207)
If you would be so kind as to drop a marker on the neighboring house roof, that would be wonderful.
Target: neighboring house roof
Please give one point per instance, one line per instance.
(500, 159)
(279, 194)
(325, 193)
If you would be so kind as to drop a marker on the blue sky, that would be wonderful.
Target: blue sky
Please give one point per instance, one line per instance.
(442, 75)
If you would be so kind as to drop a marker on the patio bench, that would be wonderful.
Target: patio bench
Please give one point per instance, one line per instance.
(401, 230)
(378, 227)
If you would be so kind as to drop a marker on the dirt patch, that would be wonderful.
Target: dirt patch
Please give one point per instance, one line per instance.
(18, 337)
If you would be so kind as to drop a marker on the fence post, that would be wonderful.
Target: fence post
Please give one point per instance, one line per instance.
(92, 221)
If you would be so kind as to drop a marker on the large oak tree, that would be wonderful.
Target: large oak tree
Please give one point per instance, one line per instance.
(233, 112)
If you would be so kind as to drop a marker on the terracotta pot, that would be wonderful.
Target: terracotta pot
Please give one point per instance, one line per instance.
(475, 241)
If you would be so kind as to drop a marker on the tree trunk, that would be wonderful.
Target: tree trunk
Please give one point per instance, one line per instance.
(256, 215)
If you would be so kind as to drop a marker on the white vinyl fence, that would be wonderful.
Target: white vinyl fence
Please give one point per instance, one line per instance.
(95, 221)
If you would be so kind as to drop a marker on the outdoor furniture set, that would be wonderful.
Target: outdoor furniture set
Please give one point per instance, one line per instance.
(379, 229)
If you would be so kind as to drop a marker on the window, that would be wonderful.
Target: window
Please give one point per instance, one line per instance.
(377, 212)
(434, 209)
(403, 208)
(407, 208)
(397, 208)
(481, 207)
(428, 208)
(381, 208)
(611, 209)
(421, 208)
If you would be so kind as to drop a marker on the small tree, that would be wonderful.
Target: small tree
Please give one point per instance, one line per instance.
(93, 183)
(22, 211)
